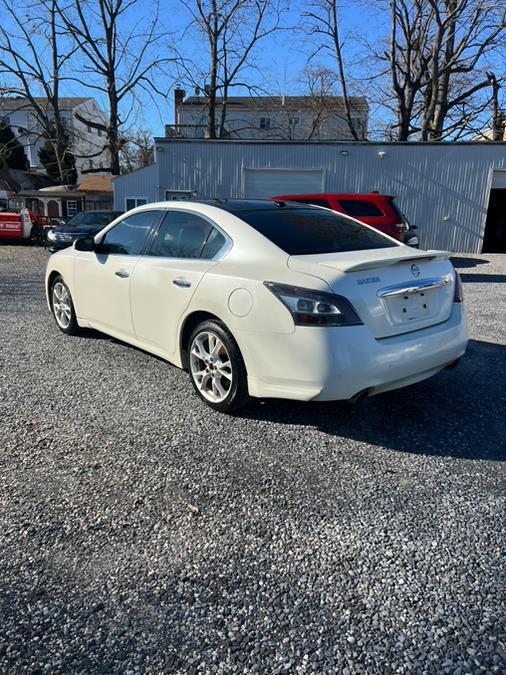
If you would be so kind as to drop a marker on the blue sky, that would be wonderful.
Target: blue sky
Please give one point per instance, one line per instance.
(279, 60)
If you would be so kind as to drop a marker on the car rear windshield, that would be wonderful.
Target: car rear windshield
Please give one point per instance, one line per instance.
(308, 231)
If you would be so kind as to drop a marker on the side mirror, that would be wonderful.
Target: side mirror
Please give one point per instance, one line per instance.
(85, 244)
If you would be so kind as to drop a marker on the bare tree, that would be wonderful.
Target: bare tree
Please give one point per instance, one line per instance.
(498, 115)
(232, 30)
(435, 59)
(137, 151)
(324, 24)
(408, 58)
(33, 58)
(121, 57)
(464, 32)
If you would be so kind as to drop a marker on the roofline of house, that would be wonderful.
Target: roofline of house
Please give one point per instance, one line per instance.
(356, 105)
(244, 141)
(24, 103)
(48, 195)
(141, 168)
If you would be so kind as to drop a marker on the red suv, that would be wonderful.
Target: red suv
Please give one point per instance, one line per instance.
(378, 211)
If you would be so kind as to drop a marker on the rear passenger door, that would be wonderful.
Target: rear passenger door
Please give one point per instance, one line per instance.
(183, 249)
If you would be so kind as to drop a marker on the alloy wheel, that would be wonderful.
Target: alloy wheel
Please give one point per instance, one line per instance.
(61, 305)
(210, 366)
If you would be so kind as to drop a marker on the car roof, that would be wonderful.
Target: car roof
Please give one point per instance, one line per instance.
(238, 205)
(336, 195)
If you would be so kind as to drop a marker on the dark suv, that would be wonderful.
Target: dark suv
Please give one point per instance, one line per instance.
(84, 224)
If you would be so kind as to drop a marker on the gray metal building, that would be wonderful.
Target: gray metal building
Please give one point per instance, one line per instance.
(443, 188)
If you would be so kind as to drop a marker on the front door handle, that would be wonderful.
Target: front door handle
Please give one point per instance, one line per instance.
(122, 274)
(182, 283)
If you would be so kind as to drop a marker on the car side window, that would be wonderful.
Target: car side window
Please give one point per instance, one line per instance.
(129, 236)
(182, 234)
(358, 208)
(215, 242)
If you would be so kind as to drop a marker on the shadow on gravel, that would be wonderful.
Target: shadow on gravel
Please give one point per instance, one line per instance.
(484, 278)
(457, 413)
(467, 262)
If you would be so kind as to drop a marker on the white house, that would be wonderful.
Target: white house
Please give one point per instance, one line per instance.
(87, 143)
(271, 117)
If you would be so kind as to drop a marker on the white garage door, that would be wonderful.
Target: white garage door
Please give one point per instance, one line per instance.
(273, 182)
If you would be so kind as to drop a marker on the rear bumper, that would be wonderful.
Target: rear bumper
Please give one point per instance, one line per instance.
(325, 364)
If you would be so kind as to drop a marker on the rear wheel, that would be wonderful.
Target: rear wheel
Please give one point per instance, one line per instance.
(63, 307)
(216, 367)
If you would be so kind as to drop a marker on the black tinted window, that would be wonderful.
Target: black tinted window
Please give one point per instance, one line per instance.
(181, 235)
(360, 209)
(307, 231)
(215, 242)
(129, 236)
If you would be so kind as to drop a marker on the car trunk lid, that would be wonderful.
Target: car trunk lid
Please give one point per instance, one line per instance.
(393, 290)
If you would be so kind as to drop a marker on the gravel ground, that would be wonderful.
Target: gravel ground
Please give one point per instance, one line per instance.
(142, 533)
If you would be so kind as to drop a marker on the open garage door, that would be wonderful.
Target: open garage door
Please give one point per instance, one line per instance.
(258, 183)
(495, 228)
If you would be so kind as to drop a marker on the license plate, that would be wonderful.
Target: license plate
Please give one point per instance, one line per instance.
(410, 307)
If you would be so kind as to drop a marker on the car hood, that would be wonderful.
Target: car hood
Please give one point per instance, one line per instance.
(76, 231)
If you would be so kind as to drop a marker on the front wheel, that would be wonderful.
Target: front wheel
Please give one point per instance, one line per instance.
(63, 307)
(216, 367)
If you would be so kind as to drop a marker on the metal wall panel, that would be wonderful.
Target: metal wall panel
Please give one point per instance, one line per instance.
(442, 188)
(140, 183)
(272, 182)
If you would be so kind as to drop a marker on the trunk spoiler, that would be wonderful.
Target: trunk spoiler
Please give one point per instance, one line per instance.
(387, 261)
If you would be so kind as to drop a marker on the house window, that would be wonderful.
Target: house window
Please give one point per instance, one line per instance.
(265, 123)
(99, 133)
(71, 208)
(132, 202)
(92, 164)
(294, 120)
(89, 129)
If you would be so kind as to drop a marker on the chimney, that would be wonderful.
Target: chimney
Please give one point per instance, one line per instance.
(179, 95)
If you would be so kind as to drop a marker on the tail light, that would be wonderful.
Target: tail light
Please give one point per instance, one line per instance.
(458, 295)
(315, 308)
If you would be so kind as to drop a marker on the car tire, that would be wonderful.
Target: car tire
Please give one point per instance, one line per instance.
(216, 367)
(63, 307)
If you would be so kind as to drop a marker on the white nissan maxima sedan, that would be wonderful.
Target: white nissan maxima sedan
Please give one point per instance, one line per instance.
(264, 299)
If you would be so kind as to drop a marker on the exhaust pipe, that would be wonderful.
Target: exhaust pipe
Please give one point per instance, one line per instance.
(453, 364)
(360, 396)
